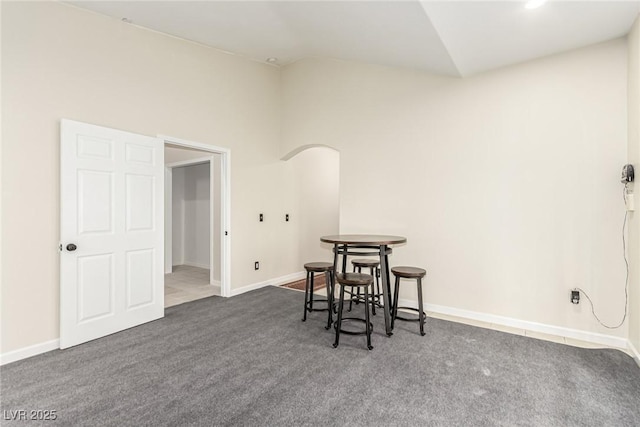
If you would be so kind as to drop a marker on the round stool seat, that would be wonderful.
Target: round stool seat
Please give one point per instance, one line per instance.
(318, 267)
(365, 263)
(354, 279)
(409, 272)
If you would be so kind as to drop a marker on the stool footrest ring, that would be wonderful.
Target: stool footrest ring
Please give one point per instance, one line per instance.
(354, 319)
(317, 309)
(406, 319)
(360, 298)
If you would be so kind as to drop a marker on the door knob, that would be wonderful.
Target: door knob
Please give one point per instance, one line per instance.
(71, 247)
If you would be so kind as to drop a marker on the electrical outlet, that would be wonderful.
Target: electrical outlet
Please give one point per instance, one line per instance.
(286, 217)
(256, 266)
(575, 297)
(261, 219)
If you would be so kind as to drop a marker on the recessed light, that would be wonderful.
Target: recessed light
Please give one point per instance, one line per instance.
(534, 4)
(272, 60)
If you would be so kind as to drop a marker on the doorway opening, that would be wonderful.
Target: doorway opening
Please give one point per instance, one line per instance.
(192, 271)
(196, 215)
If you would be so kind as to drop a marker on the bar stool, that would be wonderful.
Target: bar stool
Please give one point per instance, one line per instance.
(327, 269)
(409, 273)
(356, 280)
(374, 270)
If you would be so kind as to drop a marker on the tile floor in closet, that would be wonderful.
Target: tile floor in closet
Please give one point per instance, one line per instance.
(186, 284)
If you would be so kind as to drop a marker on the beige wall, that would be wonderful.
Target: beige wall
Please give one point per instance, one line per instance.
(317, 194)
(506, 184)
(634, 158)
(62, 62)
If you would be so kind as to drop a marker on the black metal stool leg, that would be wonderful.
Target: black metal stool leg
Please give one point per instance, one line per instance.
(357, 296)
(420, 306)
(327, 281)
(366, 316)
(311, 286)
(373, 302)
(344, 259)
(378, 282)
(339, 320)
(351, 299)
(351, 293)
(333, 292)
(306, 297)
(395, 302)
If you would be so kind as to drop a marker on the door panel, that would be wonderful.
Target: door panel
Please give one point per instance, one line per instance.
(140, 278)
(95, 201)
(95, 287)
(140, 202)
(139, 154)
(94, 148)
(112, 191)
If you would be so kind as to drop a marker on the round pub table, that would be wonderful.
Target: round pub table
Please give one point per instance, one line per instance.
(367, 245)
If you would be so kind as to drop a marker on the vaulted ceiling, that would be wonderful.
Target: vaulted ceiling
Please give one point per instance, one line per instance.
(455, 38)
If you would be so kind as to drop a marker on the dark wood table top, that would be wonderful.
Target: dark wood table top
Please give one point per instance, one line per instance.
(363, 239)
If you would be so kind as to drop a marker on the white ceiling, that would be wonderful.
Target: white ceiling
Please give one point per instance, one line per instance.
(456, 38)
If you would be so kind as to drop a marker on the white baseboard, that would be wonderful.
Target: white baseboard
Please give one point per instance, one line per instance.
(217, 288)
(634, 351)
(32, 350)
(195, 264)
(592, 337)
(293, 277)
(271, 282)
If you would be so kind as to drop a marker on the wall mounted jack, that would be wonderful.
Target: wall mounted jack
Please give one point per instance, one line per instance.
(575, 297)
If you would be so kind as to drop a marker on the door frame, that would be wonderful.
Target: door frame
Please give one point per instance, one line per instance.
(225, 201)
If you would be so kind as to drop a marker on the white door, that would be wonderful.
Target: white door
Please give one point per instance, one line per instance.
(111, 231)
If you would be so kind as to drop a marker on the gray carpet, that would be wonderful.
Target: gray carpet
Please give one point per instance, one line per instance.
(250, 361)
